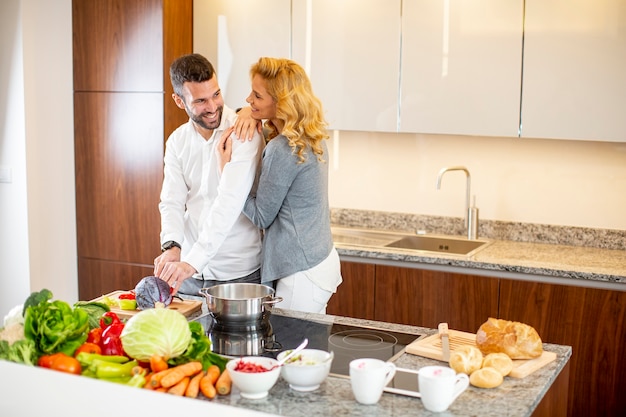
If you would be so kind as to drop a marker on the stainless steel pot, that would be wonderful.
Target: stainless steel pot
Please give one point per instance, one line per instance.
(239, 302)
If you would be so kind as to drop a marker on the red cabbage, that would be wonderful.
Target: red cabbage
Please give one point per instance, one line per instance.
(151, 290)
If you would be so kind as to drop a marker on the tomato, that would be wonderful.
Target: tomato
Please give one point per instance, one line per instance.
(45, 361)
(88, 347)
(95, 336)
(64, 363)
(126, 296)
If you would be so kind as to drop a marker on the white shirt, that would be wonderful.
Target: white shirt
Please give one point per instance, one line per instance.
(201, 208)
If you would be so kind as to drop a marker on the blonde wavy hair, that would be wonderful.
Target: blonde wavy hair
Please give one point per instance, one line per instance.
(296, 105)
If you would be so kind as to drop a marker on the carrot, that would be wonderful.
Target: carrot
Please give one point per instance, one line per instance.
(177, 373)
(180, 387)
(158, 363)
(223, 383)
(161, 389)
(207, 388)
(138, 370)
(155, 381)
(214, 372)
(148, 384)
(194, 385)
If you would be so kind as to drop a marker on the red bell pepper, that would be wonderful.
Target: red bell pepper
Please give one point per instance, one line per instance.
(111, 343)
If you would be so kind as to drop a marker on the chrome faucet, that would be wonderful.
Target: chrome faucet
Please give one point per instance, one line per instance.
(471, 213)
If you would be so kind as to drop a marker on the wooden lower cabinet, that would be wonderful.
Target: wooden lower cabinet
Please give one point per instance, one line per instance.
(414, 296)
(426, 298)
(593, 322)
(355, 295)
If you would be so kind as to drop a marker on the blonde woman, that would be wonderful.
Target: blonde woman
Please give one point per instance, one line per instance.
(291, 201)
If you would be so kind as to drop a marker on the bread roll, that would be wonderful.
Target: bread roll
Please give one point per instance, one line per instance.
(518, 340)
(486, 377)
(501, 362)
(466, 359)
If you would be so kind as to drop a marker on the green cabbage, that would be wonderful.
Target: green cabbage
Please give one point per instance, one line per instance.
(156, 331)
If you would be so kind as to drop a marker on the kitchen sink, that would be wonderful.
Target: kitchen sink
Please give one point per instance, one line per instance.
(456, 246)
(405, 242)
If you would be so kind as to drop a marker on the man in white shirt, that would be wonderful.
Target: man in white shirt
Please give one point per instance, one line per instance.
(204, 234)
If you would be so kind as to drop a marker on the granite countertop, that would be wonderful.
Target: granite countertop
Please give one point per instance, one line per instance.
(515, 397)
(560, 261)
(594, 256)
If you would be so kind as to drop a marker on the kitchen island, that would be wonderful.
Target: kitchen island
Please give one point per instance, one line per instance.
(515, 397)
(29, 391)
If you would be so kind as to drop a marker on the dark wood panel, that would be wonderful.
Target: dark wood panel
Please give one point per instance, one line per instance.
(554, 403)
(355, 295)
(118, 45)
(178, 27)
(119, 159)
(427, 298)
(593, 322)
(102, 277)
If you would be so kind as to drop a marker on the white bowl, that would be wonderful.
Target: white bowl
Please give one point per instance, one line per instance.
(254, 385)
(307, 370)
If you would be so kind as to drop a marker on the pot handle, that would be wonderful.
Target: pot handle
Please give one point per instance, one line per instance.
(273, 301)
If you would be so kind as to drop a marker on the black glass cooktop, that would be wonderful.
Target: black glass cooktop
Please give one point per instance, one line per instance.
(278, 333)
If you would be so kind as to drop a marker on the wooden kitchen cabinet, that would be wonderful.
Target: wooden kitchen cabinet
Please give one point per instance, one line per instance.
(461, 67)
(355, 296)
(574, 65)
(123, 112)
(426, 298)
(414, 296)
(593, 322)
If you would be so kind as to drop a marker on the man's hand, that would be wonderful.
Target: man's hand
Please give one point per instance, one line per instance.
(245, 124)
(224, 148)
(168, 267)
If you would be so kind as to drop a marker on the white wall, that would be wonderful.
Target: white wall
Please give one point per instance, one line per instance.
(37, 209)
(557, 182)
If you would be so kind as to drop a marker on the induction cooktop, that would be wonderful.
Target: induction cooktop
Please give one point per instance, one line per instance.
(348, 342)
(280, 333)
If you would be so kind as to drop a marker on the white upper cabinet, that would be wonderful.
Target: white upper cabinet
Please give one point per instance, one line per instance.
(575, 70)
(461, 67)
(233, 35)
(351, 51)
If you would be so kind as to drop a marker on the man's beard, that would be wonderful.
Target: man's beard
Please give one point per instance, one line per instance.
(198, 119)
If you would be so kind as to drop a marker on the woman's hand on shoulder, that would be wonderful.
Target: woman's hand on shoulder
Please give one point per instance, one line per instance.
(224, 148)
(245, 125)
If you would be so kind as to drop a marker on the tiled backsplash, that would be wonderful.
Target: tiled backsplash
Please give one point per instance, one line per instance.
(519, 232)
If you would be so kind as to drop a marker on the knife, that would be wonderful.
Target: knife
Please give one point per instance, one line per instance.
(445, 341)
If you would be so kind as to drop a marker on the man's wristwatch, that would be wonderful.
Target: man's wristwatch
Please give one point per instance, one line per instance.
(169, 245)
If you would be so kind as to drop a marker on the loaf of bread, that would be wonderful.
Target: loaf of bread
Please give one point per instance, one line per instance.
(486, 377)
(466, 359)
(501, 362)
(518, 340)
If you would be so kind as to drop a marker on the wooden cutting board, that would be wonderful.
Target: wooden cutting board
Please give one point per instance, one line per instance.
(186, 307)
(430, 347)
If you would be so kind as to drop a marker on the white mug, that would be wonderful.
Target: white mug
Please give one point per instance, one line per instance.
(368, 377)
(439, 386)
